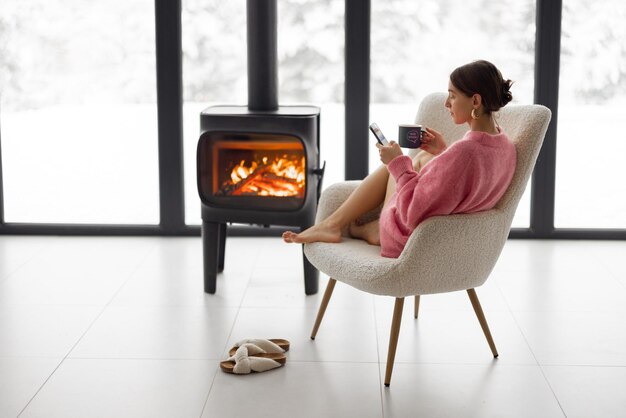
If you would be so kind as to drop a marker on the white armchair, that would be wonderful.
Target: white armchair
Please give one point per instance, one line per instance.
(444, 253)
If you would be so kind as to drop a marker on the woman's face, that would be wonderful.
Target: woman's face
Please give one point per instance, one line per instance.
(459, 105)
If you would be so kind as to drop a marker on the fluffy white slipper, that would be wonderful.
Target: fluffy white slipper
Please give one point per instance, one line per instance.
(250, 358)
(274, 345)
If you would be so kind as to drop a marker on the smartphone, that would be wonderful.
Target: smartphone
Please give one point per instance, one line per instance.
(379, 134)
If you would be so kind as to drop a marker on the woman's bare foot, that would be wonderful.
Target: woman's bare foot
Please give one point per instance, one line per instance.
(322, 232)
(369, 232)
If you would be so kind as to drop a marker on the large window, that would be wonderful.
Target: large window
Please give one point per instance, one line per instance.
(416, 44)
(591, 150)
(80, 133)
(214, 72)
(78, 112)
(311, 71)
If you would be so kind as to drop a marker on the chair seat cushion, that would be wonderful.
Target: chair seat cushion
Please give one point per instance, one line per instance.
(444, 254)
(355, 262)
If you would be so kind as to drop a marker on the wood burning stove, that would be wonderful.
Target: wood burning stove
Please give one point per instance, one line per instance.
(257, 164)
(257, 168)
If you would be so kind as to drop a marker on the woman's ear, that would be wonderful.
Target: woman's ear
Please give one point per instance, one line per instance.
(477, 100)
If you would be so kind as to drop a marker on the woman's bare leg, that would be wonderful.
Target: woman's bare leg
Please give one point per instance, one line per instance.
(370, 232)
(367, 196)
(375, 189)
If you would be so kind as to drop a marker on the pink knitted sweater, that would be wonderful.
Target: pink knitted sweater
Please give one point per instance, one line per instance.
(469, 176)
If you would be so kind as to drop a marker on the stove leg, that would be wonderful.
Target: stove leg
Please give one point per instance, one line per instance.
(311, 276)
(210, 254)
(222, 249)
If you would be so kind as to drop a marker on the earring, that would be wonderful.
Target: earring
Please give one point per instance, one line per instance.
(474, 115)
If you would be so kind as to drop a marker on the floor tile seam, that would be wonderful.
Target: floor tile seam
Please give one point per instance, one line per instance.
(516, 322)
(304, 361)
(206, 399)
(3, 356)
(51, 305)
(609, 270)
(545, 377)
(61, 361)
(510, 310)
(150, 308)
(587, 366)
(541, 370)
(6, 278)
(380, 375)
(302, 308)
(533, 273)
(351, 362)
(22, 264)
(131, 274)
(249, 275)
(583, 364)
(232, 305)
(569, 311)
(126, 358)
(470, 310)
(216, 370)
(230, 333)
(177, 306)
(102, 309)
(513, 311)
(494, 363)
(105, 305)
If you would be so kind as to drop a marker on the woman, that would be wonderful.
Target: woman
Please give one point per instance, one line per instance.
(469, 176)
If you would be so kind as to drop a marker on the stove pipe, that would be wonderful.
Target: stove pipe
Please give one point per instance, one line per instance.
(262, 55)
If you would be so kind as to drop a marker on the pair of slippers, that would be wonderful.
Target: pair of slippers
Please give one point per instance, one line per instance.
(255, 355)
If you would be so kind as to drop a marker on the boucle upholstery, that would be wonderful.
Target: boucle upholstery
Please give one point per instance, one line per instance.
(444, 253)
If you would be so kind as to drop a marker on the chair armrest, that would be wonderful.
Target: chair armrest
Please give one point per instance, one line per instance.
(332, 197)
(335, 195)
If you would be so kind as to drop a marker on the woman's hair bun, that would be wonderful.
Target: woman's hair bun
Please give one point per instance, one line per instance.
(482, 77)
(506, 92)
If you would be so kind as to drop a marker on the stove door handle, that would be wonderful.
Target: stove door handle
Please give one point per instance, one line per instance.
(319, 172)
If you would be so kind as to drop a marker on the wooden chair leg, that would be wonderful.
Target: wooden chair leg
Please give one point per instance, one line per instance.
(481, 318)
(417, 306)
(320, 314)
(393, 338)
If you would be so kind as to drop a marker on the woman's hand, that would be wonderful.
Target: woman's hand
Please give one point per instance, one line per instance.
(432, 142)
(389, 152)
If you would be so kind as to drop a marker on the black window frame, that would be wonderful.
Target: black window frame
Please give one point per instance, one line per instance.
(357, 87)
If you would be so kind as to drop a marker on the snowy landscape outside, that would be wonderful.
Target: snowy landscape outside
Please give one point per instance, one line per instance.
(78, 116)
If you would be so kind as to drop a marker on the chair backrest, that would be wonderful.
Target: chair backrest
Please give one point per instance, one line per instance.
(455, 252)
(526, 126)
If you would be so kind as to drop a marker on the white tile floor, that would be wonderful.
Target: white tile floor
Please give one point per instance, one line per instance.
(120, 327)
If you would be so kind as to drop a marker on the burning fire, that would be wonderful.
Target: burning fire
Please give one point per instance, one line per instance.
(280, 177)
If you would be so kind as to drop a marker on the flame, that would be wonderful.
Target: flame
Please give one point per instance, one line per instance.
(283, 176)
(241, 171)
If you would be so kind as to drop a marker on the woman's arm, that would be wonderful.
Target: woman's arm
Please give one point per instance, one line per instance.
(437, 189)
(389, 152)
(433, 142)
